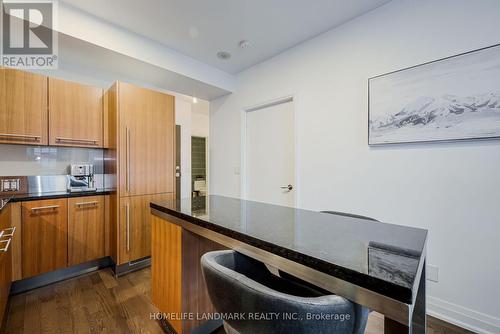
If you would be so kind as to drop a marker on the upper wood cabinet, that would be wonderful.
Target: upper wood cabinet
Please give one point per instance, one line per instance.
(76, 114)
(23, 108)
(86, 230)
(44, 236)
(146, 141)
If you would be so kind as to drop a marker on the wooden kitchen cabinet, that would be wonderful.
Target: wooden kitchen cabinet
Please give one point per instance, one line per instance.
(146, 141)
(86, 229)
(23, 108)
(135, 225)
(44, 236)
(5, 259)
(140, 142)
(76, 114)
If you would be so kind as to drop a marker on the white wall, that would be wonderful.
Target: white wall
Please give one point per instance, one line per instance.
(200, 119)
(183, 112)
(451, 189)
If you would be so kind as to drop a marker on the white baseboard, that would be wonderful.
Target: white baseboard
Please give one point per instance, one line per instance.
(463, 317)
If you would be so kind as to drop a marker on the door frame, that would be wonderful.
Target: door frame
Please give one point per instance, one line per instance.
(292, 98)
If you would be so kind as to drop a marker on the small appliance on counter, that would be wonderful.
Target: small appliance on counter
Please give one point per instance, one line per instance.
(81, 178)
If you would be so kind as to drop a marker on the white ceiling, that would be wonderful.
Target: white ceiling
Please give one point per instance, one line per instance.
(201, 28)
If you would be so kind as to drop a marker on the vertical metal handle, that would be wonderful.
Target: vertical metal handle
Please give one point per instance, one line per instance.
(127, 233)
(128, 159)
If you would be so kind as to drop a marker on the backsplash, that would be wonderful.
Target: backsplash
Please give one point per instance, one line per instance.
(46, 160)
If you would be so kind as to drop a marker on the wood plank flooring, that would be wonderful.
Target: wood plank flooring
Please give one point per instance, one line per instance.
(92, 303)
(99, 303)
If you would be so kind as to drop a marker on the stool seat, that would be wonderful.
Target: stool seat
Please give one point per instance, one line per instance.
(253, 300)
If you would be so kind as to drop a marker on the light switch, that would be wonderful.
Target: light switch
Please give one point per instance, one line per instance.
(432, 273)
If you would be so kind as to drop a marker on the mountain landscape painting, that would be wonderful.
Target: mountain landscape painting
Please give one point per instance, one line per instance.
(449, 99)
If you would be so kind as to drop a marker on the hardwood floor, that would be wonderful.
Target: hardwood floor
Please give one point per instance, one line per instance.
(93, 303)
(434, 326)
(99, 303)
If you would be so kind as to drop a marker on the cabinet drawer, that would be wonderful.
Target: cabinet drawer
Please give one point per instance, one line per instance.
(85, 229)
(44, 236)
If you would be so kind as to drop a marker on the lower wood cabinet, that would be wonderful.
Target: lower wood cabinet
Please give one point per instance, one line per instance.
(86, 230)
(135, 226)
(44, 236)
(5, 259)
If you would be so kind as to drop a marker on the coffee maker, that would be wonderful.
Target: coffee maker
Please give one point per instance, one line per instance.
(81, 178)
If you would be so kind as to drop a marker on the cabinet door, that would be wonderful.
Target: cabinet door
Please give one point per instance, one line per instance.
(135, 226)
(5, 259)
(146, 148)
(23, 108)
(45, 236)
(85, 229)
(76, 114)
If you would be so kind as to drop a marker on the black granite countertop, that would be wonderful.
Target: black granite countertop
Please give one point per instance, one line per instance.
(57, 194)
(381, 257)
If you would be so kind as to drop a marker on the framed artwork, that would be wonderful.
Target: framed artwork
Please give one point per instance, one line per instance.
(455, 98)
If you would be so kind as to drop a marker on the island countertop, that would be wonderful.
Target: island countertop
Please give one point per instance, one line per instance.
(381, 257)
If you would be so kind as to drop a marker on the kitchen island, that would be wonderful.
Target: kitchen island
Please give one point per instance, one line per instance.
(379, 265)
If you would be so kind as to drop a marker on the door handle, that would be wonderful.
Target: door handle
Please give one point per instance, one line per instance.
(128, 158)
(287, 188)
(127, 232)
(36, 138)
(87, 203)
(75, 140)
(45, 207)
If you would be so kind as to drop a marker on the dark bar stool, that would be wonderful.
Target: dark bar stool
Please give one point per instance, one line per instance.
(238, 284)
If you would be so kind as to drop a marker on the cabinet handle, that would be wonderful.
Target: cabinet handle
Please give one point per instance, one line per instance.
(74, 140)
(128, 159)
(127, 233)
(37, 138)
(45, 207)
(6, 247)
(86, 203)
(11, 232)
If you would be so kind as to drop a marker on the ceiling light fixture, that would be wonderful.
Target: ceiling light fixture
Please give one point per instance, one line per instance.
(195, 100)
(224, 55)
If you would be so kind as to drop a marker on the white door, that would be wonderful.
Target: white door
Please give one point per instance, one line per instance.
(270, 154)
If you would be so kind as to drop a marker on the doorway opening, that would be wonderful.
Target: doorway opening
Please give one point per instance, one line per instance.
(199, 166)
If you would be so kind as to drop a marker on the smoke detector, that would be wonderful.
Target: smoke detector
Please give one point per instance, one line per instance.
(243, 44)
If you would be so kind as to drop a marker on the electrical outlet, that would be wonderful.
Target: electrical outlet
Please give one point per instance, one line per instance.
(9, 185)
(432, 273)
